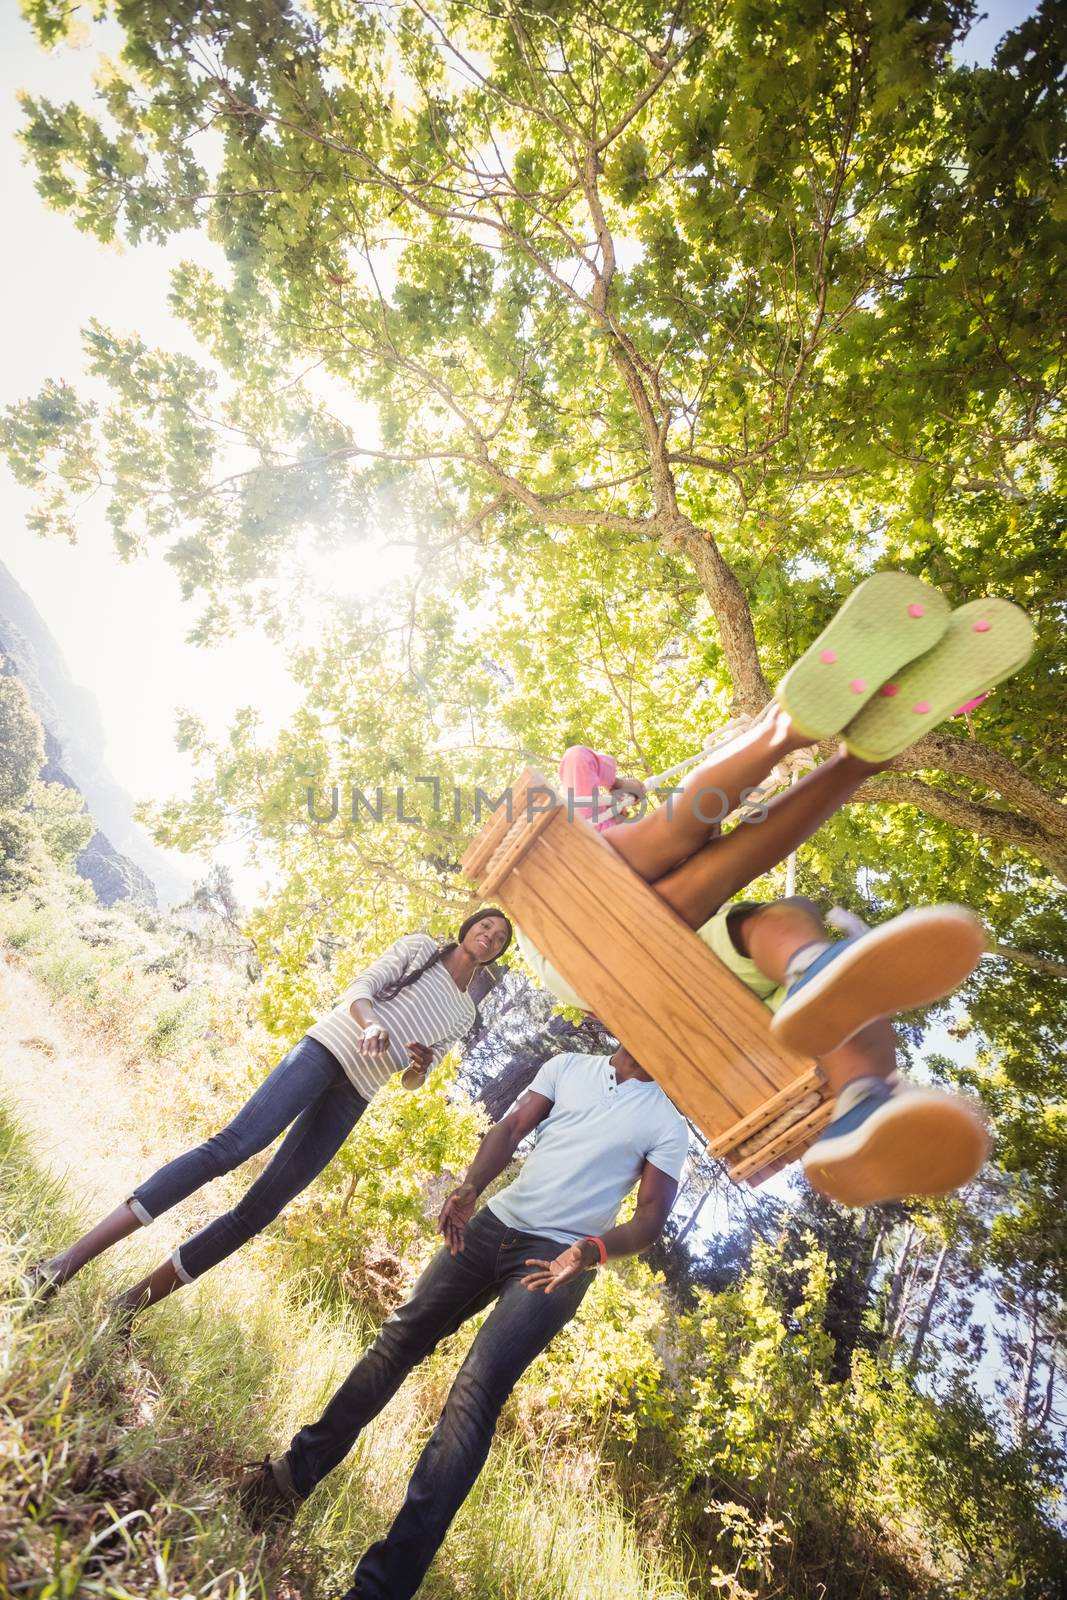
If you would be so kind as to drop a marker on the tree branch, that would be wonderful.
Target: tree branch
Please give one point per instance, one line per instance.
(982, 763)
(1004, 827)
(1025, 958)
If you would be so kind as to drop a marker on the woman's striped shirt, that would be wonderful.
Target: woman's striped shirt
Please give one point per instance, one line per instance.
(433, 1011)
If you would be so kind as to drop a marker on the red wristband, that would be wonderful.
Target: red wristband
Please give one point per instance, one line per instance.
(591, 1238)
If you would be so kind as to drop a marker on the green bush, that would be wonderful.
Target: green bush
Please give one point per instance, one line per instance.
(378, 1193)
(18, 869)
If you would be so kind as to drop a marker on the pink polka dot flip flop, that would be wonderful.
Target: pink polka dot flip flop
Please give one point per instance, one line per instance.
(885, 623)
(985, 642)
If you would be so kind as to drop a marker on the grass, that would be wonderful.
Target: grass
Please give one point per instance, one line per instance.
(116, 1466)
(102, 1491)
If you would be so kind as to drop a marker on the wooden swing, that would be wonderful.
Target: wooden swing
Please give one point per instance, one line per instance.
(690, 1022)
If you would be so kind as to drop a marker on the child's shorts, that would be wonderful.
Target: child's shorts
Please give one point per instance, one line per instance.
(715, 934)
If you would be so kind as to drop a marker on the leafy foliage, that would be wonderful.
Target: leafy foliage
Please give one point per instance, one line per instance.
(37, 820)
(21, 744)
(742, 1447)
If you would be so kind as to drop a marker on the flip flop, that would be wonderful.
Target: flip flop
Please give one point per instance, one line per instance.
(908, 962)
(886, 622)
(985, 641)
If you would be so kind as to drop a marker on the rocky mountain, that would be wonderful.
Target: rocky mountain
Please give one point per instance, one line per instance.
(120, 860)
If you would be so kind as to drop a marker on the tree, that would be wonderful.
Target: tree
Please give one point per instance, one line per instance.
(60, 821)
(21, 744)
(21, 758)
(740, 289)
(647, 331)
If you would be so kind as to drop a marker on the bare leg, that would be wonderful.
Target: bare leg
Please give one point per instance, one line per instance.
(871, 1053)
(117, 1225)
(725, 866)
(670, 834)
(157, 1286)
(772, 936)
(880, 1145)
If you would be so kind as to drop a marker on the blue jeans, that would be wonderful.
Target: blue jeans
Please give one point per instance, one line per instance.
(308, 1089)
(452, 1288)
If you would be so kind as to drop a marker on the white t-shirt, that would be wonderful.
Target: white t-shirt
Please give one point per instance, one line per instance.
(590, 1149)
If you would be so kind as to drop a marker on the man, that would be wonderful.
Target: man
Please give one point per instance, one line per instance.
(602, 1126)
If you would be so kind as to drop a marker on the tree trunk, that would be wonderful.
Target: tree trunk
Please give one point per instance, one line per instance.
(896, 1285)
(876, 1256)
(691, 1220)
(1045, 1412)
(928, 1309)
(905, 1300)
(1026, 1376)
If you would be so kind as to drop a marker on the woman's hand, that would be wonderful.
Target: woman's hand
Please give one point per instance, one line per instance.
(456, 1212)
(419, 1063)
(375, 1040)
(567, 1266)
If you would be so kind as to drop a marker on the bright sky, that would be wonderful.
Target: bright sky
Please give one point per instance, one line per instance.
(122, 627)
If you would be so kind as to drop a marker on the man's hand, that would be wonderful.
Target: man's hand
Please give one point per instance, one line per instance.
(567, 1266)
(421, 1056)
(456, 1212)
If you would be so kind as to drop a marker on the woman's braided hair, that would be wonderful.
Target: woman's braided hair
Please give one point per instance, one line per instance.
(391, 990)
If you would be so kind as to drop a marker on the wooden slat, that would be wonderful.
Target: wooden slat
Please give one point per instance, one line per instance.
(483, 844)
(732, 1011)
(696, 1096)
(794, 1141)
(660, 947)
(656, 968)
(767, 1113)
(519, 838)
(671, 1021)
(785, 1123)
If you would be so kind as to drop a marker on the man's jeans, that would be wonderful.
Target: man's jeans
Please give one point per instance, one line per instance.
(308, 1089)
(453, 1288)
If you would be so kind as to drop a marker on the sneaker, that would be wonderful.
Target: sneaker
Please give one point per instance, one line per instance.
(265, 1494)
(893, 1140)
(908, 962)
(886, 622)
(985, 641)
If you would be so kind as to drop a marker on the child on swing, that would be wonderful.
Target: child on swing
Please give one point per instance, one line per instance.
(893, 663)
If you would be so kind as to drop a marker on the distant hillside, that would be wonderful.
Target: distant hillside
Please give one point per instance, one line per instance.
(120, 860)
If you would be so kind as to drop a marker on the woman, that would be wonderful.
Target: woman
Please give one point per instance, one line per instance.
(401, 1015)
